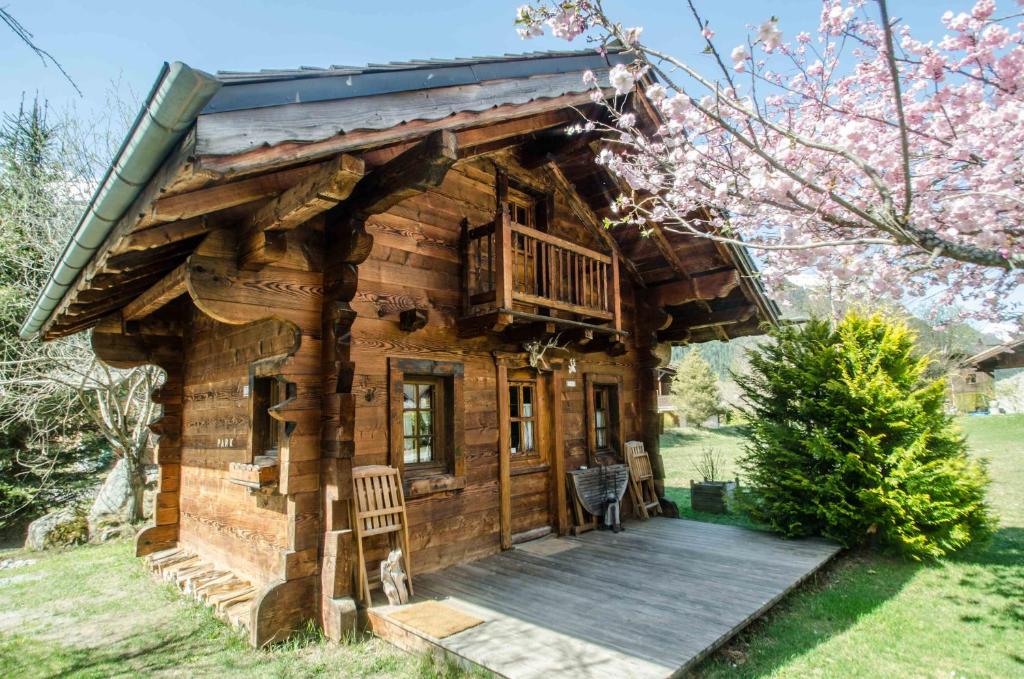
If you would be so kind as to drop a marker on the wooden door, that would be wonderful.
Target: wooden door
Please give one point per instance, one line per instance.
(529, 445)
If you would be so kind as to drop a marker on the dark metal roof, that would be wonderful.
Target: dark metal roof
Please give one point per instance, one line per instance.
(248, 90)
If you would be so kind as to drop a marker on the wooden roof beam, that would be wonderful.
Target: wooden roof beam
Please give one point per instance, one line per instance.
(263, 241)
(698, 288)
(161, 235)
(684, 325)
(415, 170)
(194, 203)
(166, 289)
(591, 220)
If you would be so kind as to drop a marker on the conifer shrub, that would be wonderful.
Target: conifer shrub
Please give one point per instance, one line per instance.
(849, 440)
(695, 390)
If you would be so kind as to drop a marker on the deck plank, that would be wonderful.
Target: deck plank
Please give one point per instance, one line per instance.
(651, 601)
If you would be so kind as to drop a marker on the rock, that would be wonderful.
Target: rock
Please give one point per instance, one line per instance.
(113, 507)
(61, 527)
(7, 564)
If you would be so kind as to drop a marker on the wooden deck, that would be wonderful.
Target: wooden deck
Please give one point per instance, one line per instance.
(651, 601)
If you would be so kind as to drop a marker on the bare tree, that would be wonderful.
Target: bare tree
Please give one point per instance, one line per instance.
(26, 37)
(47, 172)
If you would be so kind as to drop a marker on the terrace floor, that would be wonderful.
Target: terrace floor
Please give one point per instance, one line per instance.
(651, 601)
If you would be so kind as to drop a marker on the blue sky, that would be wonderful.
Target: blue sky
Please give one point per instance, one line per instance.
(103, 41)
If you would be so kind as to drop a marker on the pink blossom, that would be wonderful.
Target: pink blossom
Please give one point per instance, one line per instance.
(769, 35)
(566, 24)
(739, 56)
(837, 179)
(621, 78)
(656, 93)
(631, 36)
(983, 9)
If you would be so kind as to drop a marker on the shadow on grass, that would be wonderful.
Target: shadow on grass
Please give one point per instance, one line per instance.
(999, 574)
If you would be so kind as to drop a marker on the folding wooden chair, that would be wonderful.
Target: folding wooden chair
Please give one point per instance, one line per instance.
(641, 480)
(378, 509)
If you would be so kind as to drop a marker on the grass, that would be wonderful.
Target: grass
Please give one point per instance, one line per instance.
(874, 616)
(94, 611)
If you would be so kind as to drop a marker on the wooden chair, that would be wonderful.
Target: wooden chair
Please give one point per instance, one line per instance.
(378, 503)
(641, 480)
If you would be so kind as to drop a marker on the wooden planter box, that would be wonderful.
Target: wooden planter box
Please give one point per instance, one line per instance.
(710, 496)
(262, 474)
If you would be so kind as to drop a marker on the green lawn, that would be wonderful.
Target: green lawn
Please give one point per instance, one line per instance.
(95, 612)
(872, 616)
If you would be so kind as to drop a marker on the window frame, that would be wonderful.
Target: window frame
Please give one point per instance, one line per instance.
(267, 435)
(448, 472)
(518, 384)
(439, 410)
(611, 384)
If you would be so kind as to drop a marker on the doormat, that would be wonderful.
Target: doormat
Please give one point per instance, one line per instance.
(548, 547)
(435, 619)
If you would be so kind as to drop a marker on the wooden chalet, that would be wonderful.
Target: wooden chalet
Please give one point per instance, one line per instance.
(400, 265)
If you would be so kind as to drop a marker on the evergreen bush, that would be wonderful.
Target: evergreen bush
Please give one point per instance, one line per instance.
(695, 389)
(849, 440)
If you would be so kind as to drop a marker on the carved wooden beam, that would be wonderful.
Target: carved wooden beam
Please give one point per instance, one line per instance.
(203, 201)
(415, 170)
(591, 220)
(263, 242)
(697, 288)
(685, 324)
(164, 234)
(167, 288)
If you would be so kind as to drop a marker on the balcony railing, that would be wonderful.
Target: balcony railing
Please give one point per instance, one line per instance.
(507, 263)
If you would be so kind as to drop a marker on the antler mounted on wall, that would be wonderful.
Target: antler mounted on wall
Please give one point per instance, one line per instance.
(537, 350)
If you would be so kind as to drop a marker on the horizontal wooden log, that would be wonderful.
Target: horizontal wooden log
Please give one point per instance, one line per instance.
(167, 288)
(320, 191)
(419, 168)
(698, 288)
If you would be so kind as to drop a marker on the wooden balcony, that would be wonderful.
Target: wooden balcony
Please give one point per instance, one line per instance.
(512, 268)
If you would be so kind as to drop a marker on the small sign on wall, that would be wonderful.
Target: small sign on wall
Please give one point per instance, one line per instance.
(570, 383)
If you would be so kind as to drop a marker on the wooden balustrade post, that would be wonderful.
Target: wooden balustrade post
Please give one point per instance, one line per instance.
(616, 295)
(503, 259)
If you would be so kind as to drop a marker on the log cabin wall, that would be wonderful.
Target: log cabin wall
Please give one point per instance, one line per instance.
(415, 264)
(224, 521)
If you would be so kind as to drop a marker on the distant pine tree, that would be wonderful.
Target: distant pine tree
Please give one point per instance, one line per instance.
(695, 389)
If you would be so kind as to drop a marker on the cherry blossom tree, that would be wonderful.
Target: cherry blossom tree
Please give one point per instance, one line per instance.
(892, 166)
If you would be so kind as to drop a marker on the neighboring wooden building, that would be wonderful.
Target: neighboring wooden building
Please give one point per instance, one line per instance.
(972, 384)
(395, 265)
